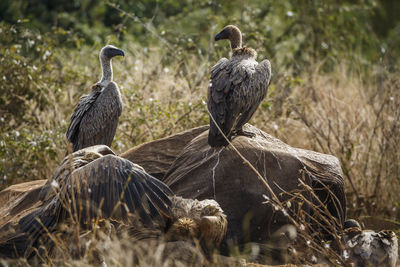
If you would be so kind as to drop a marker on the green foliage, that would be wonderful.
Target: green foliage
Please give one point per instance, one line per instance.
(49, 58)
(23, 79)
(30, 86)
(292, 33)
(26, 154)
(27, 67)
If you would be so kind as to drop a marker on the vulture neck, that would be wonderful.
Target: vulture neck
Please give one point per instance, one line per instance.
(235, 38)
(244, 52)
(107, 73)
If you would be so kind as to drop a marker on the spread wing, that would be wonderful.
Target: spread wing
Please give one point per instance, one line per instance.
(107, 187)
(95, 119)
(235, 91)
(112, 187)
(71, 162)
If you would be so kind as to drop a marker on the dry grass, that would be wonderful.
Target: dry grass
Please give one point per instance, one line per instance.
(357, 121)
(352, 116)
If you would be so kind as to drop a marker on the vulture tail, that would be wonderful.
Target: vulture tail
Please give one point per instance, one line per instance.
(215, 138)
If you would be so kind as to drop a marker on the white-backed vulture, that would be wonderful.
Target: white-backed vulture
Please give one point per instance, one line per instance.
(370, 248)
(95, 118)
(237, 87)
(94, 184)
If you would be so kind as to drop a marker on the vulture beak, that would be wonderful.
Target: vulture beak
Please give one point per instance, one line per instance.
(224, 34)
(118, 52)
(111, 51)
(218, 37)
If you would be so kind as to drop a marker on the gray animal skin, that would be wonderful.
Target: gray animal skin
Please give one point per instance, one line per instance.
(95, 118)
(237, 87)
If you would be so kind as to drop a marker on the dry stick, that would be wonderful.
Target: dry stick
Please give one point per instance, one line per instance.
(319, 212)
(326, 211)
(52, 237)
(317, 209)
(317, 133)
(330, 193)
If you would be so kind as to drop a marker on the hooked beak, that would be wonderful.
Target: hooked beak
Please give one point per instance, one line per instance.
(224, 34)
(218, 37)
(119, 52)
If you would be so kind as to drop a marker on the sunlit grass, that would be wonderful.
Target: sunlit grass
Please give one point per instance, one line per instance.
(351, 115)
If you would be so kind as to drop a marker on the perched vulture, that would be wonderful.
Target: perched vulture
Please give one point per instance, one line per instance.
(95, 118)
(237, 87)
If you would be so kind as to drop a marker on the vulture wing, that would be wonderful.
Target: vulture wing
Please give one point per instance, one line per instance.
(236, 89)
(112, 187)
(108, 187)
(218, 91)
(71, 162)
(84, 105)
(259, 82)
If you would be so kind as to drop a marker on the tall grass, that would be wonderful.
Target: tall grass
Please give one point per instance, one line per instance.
(352, 115)
(355, 118)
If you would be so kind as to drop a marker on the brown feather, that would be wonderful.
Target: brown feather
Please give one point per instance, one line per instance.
(237, 87)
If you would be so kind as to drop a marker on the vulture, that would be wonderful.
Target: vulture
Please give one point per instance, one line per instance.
(95, 118)
(237, 87)
(94, 184)
(369, 248)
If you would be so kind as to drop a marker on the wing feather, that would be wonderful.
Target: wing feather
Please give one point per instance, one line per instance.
(84, 104)
(138, 205)
(110, 178)
(155, 214)
(114, 177)
(259, 83)
(156, 199)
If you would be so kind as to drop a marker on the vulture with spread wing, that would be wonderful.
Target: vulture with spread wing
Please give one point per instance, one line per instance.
(94, 183)
(237, 87)
(95, 118)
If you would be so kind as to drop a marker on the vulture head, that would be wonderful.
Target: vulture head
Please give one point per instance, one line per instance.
(193, 220)
(232, 33)
(110, 51)
(106, 54)
(351, 224)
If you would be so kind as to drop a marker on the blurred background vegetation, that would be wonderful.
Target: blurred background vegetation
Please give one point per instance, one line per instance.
(335, 86)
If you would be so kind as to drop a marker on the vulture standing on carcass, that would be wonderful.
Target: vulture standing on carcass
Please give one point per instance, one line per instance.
(237, 87)
(95, 118)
